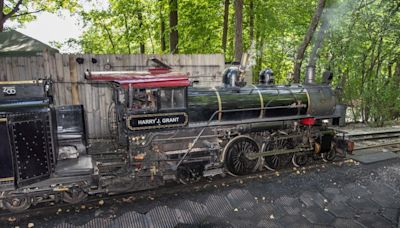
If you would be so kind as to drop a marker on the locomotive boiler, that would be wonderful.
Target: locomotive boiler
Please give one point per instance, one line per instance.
(166, 130)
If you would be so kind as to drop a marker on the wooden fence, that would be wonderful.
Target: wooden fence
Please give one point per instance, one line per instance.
(70, 86)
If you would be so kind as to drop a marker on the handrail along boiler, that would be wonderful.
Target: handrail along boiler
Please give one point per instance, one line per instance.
(166, 129)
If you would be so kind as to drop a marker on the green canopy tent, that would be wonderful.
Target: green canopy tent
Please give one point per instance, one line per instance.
(13, 43)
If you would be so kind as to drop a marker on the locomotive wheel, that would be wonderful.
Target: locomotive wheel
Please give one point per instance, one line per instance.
(329, 156)
(236, 159)
(74, 196)
(299, 159)
(18, 203)
(186, 175)
(272, 162)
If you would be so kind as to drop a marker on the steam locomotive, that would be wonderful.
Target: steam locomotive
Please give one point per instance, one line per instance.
(166, 130)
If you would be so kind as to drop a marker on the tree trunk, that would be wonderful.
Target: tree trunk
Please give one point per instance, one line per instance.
(110, 38)
(162, 29)
(127, 32)
(1, 16)
(173, 25)
(2, 20)
(1, 9)
(225, 28)
(318, 42)
(4, 17)
(307, 39)
(251, 21)
(390, 73)
(142, 47)
(238, 30)
(397, 73)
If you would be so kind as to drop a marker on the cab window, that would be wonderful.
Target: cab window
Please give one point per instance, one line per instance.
(173, 98)
(144, 100)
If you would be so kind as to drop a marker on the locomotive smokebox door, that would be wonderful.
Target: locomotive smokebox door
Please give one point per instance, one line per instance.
(6, 164)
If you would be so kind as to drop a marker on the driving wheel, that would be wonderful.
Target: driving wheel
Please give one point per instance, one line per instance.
(238, 155)
(273, 162)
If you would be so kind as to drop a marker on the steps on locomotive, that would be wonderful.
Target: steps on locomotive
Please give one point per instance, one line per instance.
(75, 167)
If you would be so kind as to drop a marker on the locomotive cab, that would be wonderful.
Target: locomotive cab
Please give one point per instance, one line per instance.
(147, 101)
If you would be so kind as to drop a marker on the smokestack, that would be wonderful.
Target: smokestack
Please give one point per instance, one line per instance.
(310, 75)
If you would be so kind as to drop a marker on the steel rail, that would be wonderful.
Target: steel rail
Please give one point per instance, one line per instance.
(377, 145)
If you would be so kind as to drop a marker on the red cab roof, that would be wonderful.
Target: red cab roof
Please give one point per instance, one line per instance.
(152, 78)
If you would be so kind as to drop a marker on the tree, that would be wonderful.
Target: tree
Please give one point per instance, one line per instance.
(24, 11)
(225, 26)
(140, 18)
(251, 21)
(173, 26)
(238, 30)
(307, 38)
(162, 27)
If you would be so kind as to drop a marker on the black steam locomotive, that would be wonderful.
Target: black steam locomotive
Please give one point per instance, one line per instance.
(166, 130)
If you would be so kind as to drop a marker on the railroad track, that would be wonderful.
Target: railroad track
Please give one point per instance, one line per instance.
(388, 139)
(372, 135)
(393, 146)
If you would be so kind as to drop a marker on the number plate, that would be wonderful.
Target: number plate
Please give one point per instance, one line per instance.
(9, 90)
(156, 121)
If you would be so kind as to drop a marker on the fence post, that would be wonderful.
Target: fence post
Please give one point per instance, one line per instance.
(74, 80)
(46, 63)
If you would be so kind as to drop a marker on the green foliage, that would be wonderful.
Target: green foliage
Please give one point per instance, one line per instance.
(363, 46)
(28, 10)
(200, 26)
(120, 30)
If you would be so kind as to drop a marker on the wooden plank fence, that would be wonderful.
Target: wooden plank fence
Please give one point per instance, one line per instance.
(70, 86)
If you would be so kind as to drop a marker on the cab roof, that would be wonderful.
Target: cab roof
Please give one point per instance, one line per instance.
(152, 78)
